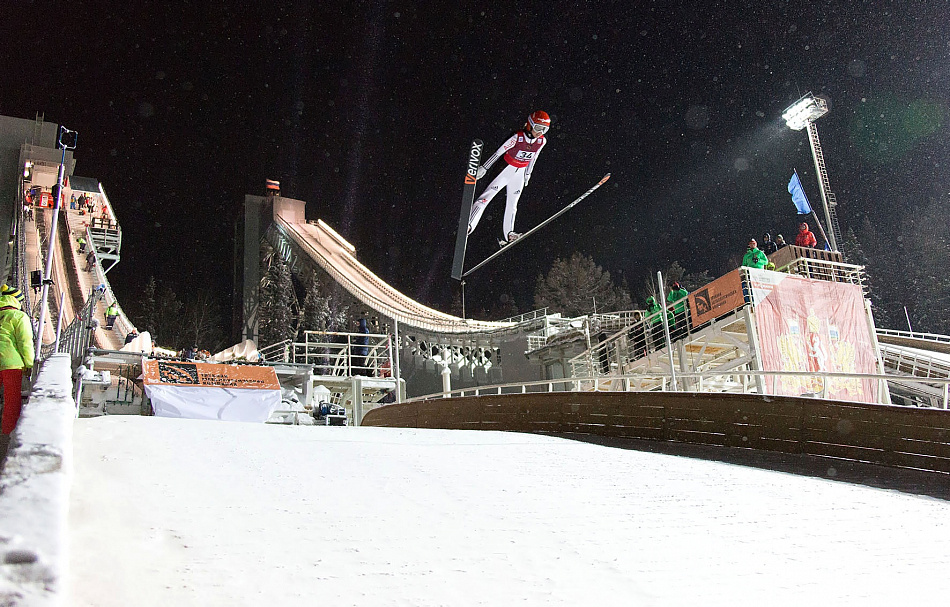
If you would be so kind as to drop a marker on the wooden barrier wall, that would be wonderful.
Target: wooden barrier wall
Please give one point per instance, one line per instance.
(880, 434)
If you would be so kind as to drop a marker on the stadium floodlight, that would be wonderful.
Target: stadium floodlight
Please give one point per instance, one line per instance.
(807, 109)
(803, 114)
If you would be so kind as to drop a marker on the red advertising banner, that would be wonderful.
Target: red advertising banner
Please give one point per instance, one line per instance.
(719, 297)
(813, 325)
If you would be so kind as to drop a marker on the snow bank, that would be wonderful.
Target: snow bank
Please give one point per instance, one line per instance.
(34, 492)
(187, 512)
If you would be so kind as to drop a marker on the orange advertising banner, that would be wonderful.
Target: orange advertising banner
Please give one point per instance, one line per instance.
(719, 297)
(209, 375)
(814, 325)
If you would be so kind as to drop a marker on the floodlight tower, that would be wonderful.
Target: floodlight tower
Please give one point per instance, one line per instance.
(803, 114)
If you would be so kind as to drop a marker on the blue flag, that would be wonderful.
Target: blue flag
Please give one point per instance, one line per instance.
(798, 195)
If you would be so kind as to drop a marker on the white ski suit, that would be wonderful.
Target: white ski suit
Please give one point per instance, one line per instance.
(520, 153)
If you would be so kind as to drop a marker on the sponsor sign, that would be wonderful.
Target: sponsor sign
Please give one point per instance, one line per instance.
(209, 375)
(719, 297)
(473, 158)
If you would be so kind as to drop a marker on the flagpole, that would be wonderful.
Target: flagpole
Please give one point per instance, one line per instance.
(810, 208)
(821, 229)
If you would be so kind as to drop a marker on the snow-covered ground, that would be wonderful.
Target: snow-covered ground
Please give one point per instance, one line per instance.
(182, 512)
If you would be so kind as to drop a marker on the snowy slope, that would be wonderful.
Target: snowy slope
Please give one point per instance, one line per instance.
(182, 512)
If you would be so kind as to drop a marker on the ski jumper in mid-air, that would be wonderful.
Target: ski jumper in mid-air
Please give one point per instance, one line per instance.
(520, 153)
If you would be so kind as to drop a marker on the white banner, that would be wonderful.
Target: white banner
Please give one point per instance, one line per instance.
(763, 282)
(199, 402)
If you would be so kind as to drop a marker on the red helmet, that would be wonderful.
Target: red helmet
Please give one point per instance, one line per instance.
(540, 121)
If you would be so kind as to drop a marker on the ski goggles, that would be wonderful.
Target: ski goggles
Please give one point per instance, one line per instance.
(540, 128)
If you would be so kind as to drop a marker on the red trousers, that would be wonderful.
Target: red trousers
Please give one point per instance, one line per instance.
(12, 401)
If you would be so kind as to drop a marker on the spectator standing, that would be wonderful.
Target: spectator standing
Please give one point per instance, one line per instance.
(131, 335)
(602, 355)
(754, 257)
(768, 245)
(111, 313)
(654, 322)
(16, 356)
(361, 349)
(780, 242)
(679, 305)
(805, 237)
(90, 260)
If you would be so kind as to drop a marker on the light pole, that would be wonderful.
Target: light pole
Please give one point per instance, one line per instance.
(67, 141)
(802, 115)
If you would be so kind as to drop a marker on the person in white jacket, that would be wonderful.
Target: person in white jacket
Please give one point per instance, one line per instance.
(520, 152)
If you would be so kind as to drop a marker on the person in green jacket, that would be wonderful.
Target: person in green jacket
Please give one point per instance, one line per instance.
(677, 299)
(8, 290)
(754, 258)
(654, 321)
(16, 356)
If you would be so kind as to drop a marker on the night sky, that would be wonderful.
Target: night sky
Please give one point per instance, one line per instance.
(366, 111)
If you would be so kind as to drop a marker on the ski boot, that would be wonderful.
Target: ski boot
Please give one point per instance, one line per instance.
(512, 236)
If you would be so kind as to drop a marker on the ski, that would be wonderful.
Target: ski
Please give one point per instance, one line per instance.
(468, 197)
(539, 226)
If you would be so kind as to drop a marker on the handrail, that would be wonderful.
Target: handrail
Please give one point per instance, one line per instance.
(936, 337)
(663, 381)
(897, 355)
(76, 337)
(541, 312)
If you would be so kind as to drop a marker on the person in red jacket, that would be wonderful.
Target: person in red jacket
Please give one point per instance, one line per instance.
(805, 238)
(16, 358)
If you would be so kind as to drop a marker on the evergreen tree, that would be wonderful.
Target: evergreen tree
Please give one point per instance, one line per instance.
(149, 307)
(275, 310)
(927, 257)
(168, 325)
(320, 310)
(883, 271)
(572, 287)
(456, 307)
(675, 273)
(852, 250)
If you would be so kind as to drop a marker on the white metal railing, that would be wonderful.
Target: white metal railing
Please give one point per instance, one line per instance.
(527, 316)
(641, 337)
(276, 352)
(733, 381)
(553, 325)
(917, 364)
(822, 269)
(336, 353)
(594, 323)
(935, 337)
(615, 321)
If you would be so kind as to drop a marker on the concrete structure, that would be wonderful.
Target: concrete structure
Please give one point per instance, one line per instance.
(34, 492)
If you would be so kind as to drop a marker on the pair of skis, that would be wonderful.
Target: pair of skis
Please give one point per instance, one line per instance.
(468, 198)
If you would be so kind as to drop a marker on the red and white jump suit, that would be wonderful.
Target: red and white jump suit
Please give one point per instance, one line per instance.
(520, 153)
